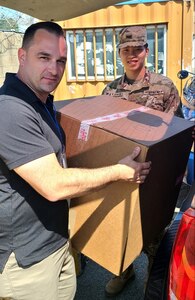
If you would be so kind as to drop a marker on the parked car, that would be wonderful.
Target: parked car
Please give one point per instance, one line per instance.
(172, 276)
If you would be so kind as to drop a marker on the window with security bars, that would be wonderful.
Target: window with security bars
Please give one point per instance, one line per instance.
(93, 53)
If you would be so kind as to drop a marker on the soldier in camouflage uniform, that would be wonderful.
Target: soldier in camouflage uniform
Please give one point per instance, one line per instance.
(138, 84)
(146, 88)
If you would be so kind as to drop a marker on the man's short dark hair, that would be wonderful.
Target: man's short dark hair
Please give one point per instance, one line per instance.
(47, 25)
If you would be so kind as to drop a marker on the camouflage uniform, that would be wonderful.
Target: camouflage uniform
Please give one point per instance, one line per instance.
(154, 90)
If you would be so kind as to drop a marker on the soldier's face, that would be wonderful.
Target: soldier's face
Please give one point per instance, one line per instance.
(133, 58)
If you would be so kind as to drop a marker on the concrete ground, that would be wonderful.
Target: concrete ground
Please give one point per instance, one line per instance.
(91, 284)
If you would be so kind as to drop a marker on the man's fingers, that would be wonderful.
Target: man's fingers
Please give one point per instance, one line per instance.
(135, 152)
(140, 178)
(142, 174)
(146, 168)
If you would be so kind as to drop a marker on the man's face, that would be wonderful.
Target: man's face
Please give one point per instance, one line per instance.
(42, 64)
(133, 58)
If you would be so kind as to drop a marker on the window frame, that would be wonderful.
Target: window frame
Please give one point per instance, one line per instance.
(99, 64)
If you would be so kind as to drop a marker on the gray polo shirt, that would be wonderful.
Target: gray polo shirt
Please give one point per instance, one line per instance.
(30, 226)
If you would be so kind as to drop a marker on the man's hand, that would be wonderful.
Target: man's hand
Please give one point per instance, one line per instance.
(132, 170)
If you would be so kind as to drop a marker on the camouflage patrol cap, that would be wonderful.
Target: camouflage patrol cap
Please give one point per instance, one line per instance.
(132, 36)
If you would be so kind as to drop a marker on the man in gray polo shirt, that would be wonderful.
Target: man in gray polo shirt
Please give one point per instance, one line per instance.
(35, 261)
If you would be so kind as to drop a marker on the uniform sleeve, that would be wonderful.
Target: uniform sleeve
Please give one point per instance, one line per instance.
(21, 134)
(106, 90)
(173, 102)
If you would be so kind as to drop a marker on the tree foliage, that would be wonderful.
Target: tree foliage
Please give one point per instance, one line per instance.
(11, 20)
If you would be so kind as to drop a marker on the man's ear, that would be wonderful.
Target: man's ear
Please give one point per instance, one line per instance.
(21, 55)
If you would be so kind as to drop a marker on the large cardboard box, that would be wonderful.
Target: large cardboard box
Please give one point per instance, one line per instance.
(113, 224)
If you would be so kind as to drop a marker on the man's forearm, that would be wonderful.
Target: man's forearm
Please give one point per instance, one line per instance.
(54, 183)
(77, 182)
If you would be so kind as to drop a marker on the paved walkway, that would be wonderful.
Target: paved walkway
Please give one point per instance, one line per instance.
(91, 284)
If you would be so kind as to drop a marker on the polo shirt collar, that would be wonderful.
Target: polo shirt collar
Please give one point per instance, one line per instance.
(17, 88)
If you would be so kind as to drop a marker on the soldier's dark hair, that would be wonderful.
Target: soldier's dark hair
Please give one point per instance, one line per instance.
(47, 25)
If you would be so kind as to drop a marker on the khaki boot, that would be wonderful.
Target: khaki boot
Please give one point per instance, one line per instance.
(117, 283)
